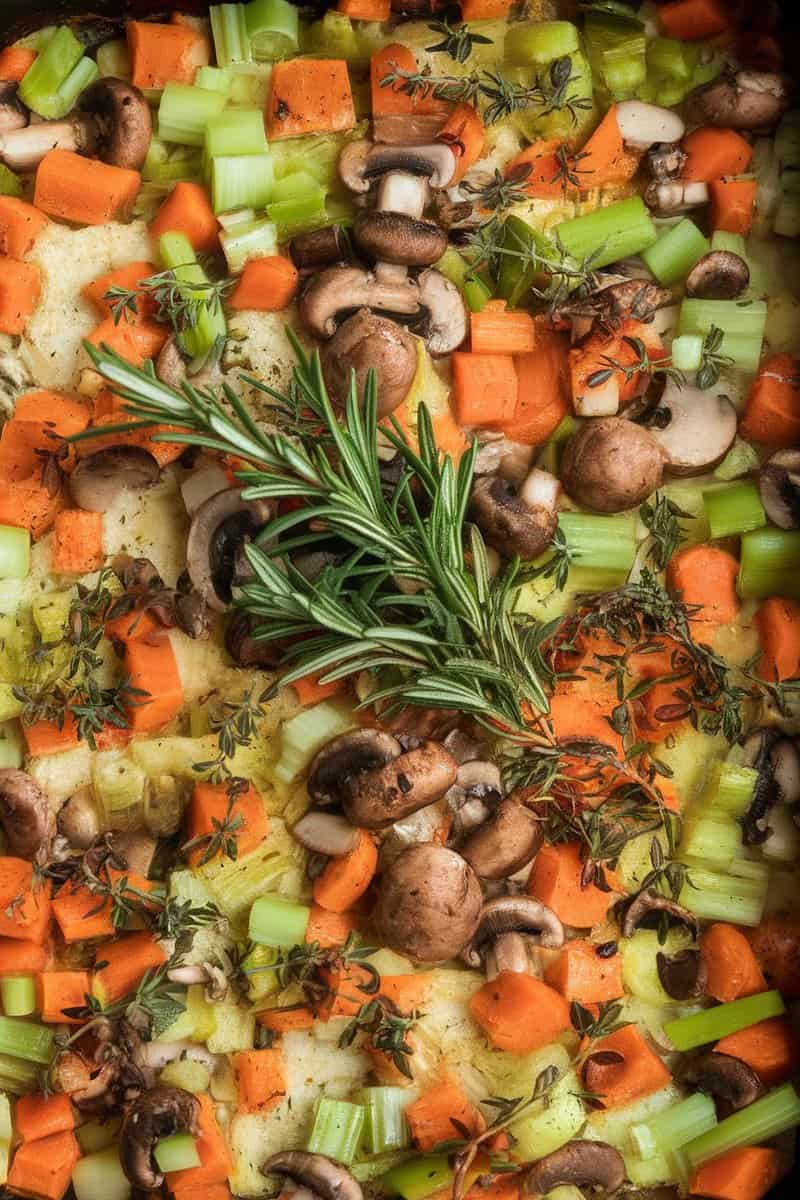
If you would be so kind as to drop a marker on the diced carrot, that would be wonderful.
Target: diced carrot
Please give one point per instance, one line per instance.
(772, 411)
(309, 95)
(693, 20)
(484, 388)
(310, 691)
(406, 992)
(20, 291)
(14, 62)
(45, 737)
(266, 285)
(345, 990)
(135, 341)
(130, 627)
(41, 419)
(216, 1161)
(162, 451)
(605, 158)
(441, 1114)
(24, 908)
(484, 10)
(21, 958)
(733, 204)
(203, 1191)
(63, 413)
(77, 542)
(260, 1079)
(519, 1013)
(153, 670)
(20, 225)
(494, 330)
(776, 945)
(29, 504)
(770, 1047)
(746, 1173)
(59, 991)
(555, 879)
(39, 1116)
(388, 99)
(465, 134)
(286, 1020)
(347, 876)
(714, 153)
(365, 10)
(124, 963)
(327, 929)
(81, 915)
(84, 190)
(542, 390)
(128, 278)
(536, 169)
(704, 577)
(574, 717)
(44, 1168)
(162, 54)
(580, 973)
(208, 809)
(778, 623)
(731, 966)
(640, 1072)
(187, 210)
(662, 710)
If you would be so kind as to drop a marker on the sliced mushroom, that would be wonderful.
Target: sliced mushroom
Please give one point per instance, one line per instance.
(447, 314)
(615, 299)
(25, 815)
(135, 851)
(419, 776)
(13, 113)
(156, 1114)
(516, 522)
(350, 753)
(137, 575)
(324, 832)
(501, 846)
(319, 248)
(429, 904)
(362, 162)
(611, 465)
(650, 904)
(777, 761)
(727, 1078)
(509, 932)
(675, 196)
(584, 1164)
(78, 820)
(746, 100)
(694, 428)
(720, 275)
(218, 529)
(366, 342)
(344, 289)
(644, 125)
(99, 478)
(394, 237)
(683, 975)
(478, 789)
(665, 161)
(324, 1178)
(779, 487)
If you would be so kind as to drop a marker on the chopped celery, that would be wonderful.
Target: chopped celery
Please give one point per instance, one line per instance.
(241, 181)
(675, 1126)
(9, 182)
(302, 735)
(114, 60)
(18, 993)
(297, 185)
(418, 1178)
(519, 239)
(616, 47)
(214, 79)
(229, 30)
(732, 242)
(769, 564)
(26, 1040)
(230, 220)
(608, 234)
(640, 958)
(539, 42)
(715, 840)
(192, 1076)
(714, 1023)
(82, 74)
(39, 87)
(177, 254)
(740, 460)
(11, 745)
(15, 552)
(334, 37)
(666, 57)
(453, 267)
(760, 1121)
(385, 1125)
(672, 257)
(237, 884)
(731, 789)
(250, 239)
(687, 351)
(17, 1075)
(236, 131)
(301, 214)
(567, 121)
(715, 896)
(185, 111)
(547, 1126)
(119, 785)
(277, 921)
(742, 323)
(734, 509)
(477, 293)
(600, 543)
(336, 1131)
(273, 28)
(317, 153)
(100, 1177)
(176, 1153)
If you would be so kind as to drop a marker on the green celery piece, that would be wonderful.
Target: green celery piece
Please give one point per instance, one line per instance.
(760, 1121)
(26, 1040)
(39, 87)
(714, 1023)
(277, 921)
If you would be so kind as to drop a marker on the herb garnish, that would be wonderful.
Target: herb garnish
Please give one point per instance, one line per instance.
(456, 42)
(712, 360)
(178, 302)
(662, 518)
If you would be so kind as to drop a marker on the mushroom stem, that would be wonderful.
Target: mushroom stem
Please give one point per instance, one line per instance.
(400, 192)
(23, 149)
(513, 952)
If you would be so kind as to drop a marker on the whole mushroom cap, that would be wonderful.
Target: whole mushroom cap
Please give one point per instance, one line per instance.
(367, 342)
(611, 465)
(429, 904)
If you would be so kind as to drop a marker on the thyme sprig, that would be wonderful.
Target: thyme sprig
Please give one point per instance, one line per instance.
(235, 725)
(501, 191)
(156, 1003)
(311, 967)
(456, 42)
(662, 517)
(178, 302)
(388, 1031)
(495, 240)
(643, 364)
(712, 360)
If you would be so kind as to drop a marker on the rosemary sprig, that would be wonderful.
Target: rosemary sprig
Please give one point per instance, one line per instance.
(178, 302)
(662, 518)
(458, 42)
(712, 361)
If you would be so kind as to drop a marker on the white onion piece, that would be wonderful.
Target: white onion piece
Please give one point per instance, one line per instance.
(783, 842)
(540, 489)
(642, 125)
(200, 485)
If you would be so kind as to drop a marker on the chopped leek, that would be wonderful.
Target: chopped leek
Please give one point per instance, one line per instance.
(608, 234)
(185, 111)
(760, 1121)
(672, 257)
(336, 1131)
(714, 1023)
(273, 29)
(674, 1127)
(600, 543)
(385, 1125)
(229, 30)
(769, 564)
(733, 510)
(18, 993)
(26, 1040)
(39, 86)
(236, 131)
(537, 43)
(241, 181)
(277, 921)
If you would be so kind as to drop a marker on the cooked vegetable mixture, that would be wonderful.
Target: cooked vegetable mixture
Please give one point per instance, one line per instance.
(400, 604)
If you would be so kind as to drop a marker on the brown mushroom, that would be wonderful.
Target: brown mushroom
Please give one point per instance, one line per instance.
(720, 275)
(366, 342)
(779, 488)
(157, 1113)
(429, 904)
(510, 931)
(516, 522)
(777, 762)
(665, 161)
(137, 575)
(643, 125)
(419, 776)
(503, 844)
(694, 428)
(348, 754)
(611, 465)
(319, 248)
(447, 314)
(13, 113)
(245, 648)
(134, 851)
(394, 237)
(683, 976)
(322, 832)
(477, 791)
(649, 904)
(25, 814)
(324, 1178)
(362, 162)
(746, 100)
(615, 299)
(675, 196)
(219, 527)
(582, 1163)
(727, 1078)
(341, 289)
(99, 478)
(78, 820)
